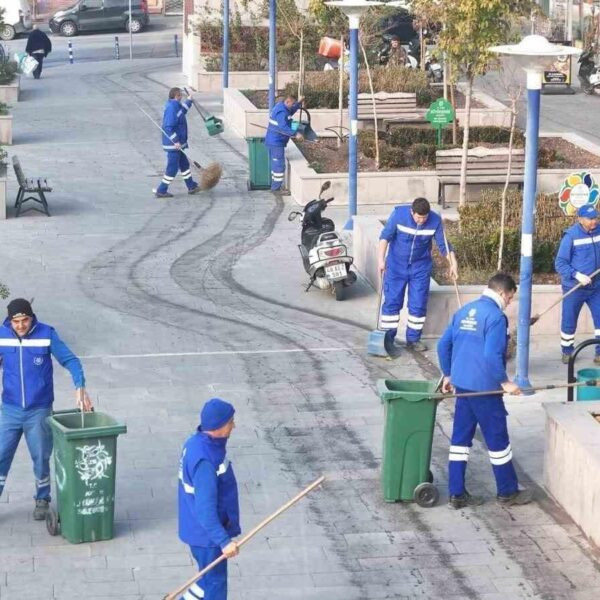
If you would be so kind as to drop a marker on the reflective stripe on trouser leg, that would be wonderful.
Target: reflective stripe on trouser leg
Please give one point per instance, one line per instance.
(418, 294)
(571, 307)
(593, 302)
(194, 592)
(277, 161)
(186, 172)
(463, 431)
(394, 287)
(214, 584)
(170, 171)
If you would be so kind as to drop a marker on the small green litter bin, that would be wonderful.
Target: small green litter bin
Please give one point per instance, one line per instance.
(260, 169)
(410, 408)
(585, 392)
(85, 460)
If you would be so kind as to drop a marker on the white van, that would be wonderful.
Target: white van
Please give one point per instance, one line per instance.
(16, 17)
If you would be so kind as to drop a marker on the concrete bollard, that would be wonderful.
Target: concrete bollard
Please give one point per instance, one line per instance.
(117, 56)
(70, 52)
(176, 46)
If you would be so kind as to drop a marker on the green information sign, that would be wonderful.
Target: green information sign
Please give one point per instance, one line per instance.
(439, 115)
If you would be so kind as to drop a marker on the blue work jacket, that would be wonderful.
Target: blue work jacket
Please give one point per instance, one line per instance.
(409, 243)
(174, 124)
(27, 377)
(280, 130)
(472, 350)
(209, 512)
(579, 251)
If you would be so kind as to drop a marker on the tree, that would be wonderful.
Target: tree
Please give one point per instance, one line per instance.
(470, 27)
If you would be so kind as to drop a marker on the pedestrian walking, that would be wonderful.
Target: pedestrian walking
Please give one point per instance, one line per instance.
(209, 513)
(26, 348)
(577, 258)
(472, 356)
(409, 233)
(174, 125)
(38, 46)
(278, 135)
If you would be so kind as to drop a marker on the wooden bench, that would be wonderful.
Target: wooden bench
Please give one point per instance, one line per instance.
(400, 107)
(37, 185)
(484, 165)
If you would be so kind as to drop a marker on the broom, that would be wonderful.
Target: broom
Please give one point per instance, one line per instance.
(209, 176)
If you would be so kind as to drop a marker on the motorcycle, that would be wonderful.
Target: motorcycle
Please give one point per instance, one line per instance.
(589, 73)
(324, 255)
(433, 68)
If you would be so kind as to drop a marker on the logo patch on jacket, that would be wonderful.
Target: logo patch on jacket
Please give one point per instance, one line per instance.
(469, 323)
(38, 360)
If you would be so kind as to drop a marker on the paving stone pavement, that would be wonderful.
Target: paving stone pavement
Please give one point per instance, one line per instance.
(171, 302)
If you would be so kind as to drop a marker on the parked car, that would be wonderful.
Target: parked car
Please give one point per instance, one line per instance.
(99, 15)
(16, 18)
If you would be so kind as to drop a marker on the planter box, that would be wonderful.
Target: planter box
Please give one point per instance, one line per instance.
(572, 462)
(10, 93)
(442, 298)
(3, 192)
(212, 81)
(6, 130)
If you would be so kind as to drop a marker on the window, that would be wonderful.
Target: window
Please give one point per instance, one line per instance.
(92, 4)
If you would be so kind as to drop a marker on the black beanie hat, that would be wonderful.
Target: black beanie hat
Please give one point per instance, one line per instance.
(19, 306)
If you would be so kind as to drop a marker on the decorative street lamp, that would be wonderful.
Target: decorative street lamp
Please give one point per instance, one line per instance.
(272, 52)
(225, 43)
(533, 54)
(353, 9)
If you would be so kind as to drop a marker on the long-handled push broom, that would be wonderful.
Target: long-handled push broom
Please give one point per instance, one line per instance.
(209, 176)
(175, 594)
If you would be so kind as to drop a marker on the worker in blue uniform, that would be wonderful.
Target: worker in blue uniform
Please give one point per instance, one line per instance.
(174, 141)
(407, 239)
(278, 135)
(472, 356)
(209, 513)
(577, 259)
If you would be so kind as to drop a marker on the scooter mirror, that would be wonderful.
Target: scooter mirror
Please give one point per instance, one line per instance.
(292, 216)
(325, 187)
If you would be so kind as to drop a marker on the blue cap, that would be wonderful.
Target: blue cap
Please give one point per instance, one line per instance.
(216, 413)
(587, 211)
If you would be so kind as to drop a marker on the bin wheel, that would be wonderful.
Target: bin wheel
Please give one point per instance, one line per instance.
(429, 476)
(52, 523)
(426, 495)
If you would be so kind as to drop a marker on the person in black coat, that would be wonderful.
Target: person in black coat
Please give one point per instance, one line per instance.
(38, 46)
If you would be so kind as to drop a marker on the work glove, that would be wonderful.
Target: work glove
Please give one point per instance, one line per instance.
(584, 279)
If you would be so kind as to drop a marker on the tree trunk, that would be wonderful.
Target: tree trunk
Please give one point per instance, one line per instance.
(374, 108)
(513, 120)
(341, 94)
(301, 66)
(453, 102)
(465, 147)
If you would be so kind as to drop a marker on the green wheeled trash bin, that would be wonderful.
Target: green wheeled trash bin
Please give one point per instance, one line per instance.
(585, 392)
(409, 408)
(260, 168)
(85, 461)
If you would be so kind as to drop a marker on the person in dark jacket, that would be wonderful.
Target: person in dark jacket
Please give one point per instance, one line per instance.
(38, 46)
(209, 512)
(278, 135)
(26, 350)
(472, 356)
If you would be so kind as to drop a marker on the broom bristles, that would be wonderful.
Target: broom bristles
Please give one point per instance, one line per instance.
(210, 176)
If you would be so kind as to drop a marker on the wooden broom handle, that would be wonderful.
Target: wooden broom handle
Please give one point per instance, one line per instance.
(180, 590)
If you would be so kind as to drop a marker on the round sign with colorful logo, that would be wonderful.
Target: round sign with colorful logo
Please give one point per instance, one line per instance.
(578, 190)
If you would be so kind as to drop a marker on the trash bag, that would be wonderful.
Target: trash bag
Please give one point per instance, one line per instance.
(28, 66)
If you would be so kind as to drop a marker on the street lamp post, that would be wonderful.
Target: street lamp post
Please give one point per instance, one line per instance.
(353, 9)
(225, 43)
(532, 53)
(272, 52)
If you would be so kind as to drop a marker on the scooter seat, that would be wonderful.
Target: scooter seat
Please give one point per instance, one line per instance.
(311, 234)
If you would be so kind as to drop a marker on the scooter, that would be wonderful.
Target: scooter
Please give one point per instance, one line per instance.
(433, 68)
(324, 255)
(589, 73)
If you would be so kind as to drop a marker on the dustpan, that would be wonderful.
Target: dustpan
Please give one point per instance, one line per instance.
(303, 126)
(376, 339)
(213, 124)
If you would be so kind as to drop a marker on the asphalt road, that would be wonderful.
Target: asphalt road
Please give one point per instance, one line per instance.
(158, 41)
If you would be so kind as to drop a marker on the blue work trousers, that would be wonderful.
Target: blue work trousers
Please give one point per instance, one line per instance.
(571, 307)
(394, 287)
(277, 160)
(213, 585)
(177, 161)
(16, 421)
(490, 414)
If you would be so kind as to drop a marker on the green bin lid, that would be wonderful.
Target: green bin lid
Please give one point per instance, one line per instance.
(411, 390)
(96, 424)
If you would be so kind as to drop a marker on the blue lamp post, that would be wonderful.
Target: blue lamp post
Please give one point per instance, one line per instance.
(225, 43)
(272, 52)
(533, 53)
(353, 9)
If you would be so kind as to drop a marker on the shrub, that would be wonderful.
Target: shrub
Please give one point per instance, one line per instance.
(8, 72)
(366, 143)
(423, 155)
(477, 242)
(391, 158)
(4, 291)
(4, 108)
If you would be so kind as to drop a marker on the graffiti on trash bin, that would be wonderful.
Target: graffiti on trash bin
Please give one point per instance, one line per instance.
(94, 503)
(93, 463)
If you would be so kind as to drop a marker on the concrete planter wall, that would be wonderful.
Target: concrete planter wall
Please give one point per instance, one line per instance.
(572, 462)
(2, 192)
(442, 298)
(212, 81)
(9, 94)
(6, 130)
